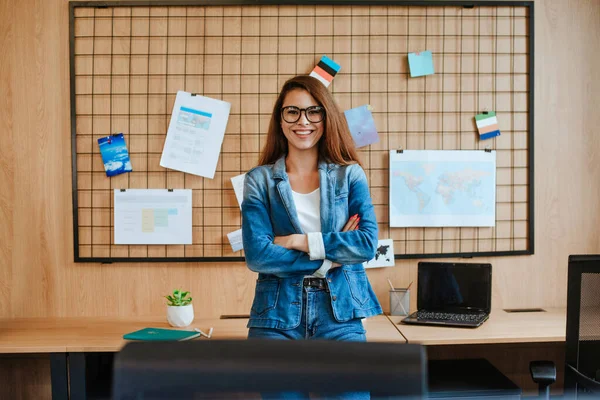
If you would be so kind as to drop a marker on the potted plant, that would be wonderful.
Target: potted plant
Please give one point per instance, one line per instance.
(180, 311)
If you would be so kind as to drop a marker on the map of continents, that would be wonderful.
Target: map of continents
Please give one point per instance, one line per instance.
(442, 193)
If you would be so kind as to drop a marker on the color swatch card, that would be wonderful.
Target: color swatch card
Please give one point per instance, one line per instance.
(114, 154)
(487, 124)
(362, 126)
(325, 70)
(420, 63)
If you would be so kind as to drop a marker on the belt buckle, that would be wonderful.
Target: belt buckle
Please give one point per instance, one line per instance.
(313, 282)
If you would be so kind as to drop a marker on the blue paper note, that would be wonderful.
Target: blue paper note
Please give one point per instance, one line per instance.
(362, 126)
(421, 63)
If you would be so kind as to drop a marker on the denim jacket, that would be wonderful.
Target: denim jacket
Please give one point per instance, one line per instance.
(268, 210)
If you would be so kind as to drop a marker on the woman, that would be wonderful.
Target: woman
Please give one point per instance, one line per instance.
(308, 223)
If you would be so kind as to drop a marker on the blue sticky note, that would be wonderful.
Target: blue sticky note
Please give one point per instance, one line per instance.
(421, 63)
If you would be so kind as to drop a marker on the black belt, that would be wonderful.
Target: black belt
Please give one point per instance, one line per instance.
(315, 282)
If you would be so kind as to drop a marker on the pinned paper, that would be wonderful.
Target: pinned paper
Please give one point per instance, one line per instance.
(238, 187)
(325, 70)
(384, 257)
(420, 63)
(114, 154)
(362, 126)
(235, 239)
(195, 134)
(487, 124)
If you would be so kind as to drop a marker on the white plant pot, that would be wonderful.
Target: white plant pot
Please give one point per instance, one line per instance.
(180, 316)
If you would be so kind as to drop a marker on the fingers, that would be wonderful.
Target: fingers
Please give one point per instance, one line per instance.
(352, 218)
(352, 223)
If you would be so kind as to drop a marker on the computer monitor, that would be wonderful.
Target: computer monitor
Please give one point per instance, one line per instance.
(167, 370)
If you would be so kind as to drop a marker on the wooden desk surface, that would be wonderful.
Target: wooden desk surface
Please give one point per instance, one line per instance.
(46, 335)
(501, 327)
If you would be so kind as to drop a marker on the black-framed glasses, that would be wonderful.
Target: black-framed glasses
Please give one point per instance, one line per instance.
(314, 114)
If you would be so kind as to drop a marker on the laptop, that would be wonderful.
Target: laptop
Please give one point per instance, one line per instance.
(452, 294)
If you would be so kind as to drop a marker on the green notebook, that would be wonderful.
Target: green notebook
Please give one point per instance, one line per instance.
(160, 334)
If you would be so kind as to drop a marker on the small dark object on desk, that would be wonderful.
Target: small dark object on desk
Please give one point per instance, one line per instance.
(234, 316)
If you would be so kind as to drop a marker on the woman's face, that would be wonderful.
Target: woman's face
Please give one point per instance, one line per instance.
(302, 134)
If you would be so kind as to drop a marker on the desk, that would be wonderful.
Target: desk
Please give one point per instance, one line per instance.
(501, 327)
(69, 339)
(508, 340)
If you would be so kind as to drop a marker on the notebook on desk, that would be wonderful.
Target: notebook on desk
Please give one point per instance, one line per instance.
(453, 294)
(160, 334)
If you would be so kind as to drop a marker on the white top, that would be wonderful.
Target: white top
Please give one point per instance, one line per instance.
(308, 208)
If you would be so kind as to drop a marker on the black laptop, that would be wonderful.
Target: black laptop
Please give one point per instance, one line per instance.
(453, 294)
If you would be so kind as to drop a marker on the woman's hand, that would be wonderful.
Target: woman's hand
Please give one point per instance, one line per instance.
(293, 242)
(351, 225)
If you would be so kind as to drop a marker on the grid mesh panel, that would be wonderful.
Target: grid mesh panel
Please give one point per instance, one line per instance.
(128, 62)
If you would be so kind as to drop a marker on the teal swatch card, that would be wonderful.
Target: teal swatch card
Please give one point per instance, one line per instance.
(420, 63)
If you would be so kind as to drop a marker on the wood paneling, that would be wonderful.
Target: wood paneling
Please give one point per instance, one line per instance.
(39, 278)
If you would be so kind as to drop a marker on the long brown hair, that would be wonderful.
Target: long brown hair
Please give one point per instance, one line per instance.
(336, 145)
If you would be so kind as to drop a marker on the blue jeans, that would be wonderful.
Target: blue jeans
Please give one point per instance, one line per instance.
(317, 322)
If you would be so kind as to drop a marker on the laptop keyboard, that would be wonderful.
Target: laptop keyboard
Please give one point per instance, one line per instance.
(449, 317)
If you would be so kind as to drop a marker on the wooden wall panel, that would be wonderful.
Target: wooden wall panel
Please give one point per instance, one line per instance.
(39, 278)
(7, 156)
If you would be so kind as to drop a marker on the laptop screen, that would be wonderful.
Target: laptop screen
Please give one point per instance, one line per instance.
(454, 287)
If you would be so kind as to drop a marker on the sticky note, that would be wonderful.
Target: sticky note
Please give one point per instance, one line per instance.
(235, 240)
(487, 124)
(420, 63)
(362, 126)
(325, 70)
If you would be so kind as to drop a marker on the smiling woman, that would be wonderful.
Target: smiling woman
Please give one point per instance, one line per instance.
(302, 127)
(308, 224)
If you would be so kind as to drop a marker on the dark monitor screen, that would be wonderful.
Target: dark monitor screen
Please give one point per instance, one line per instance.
(454, 287)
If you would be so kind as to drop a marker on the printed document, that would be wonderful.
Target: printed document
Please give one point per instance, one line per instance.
(153, 216)
(238, 187)
(195, 134)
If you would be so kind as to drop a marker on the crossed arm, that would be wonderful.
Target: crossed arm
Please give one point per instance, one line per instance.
(286, 256)
(300, 242)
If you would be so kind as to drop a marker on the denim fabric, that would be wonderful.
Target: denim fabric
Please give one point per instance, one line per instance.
(268, 210)
(317, 323)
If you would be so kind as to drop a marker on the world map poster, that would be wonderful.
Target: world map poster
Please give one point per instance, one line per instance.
(442, 188)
